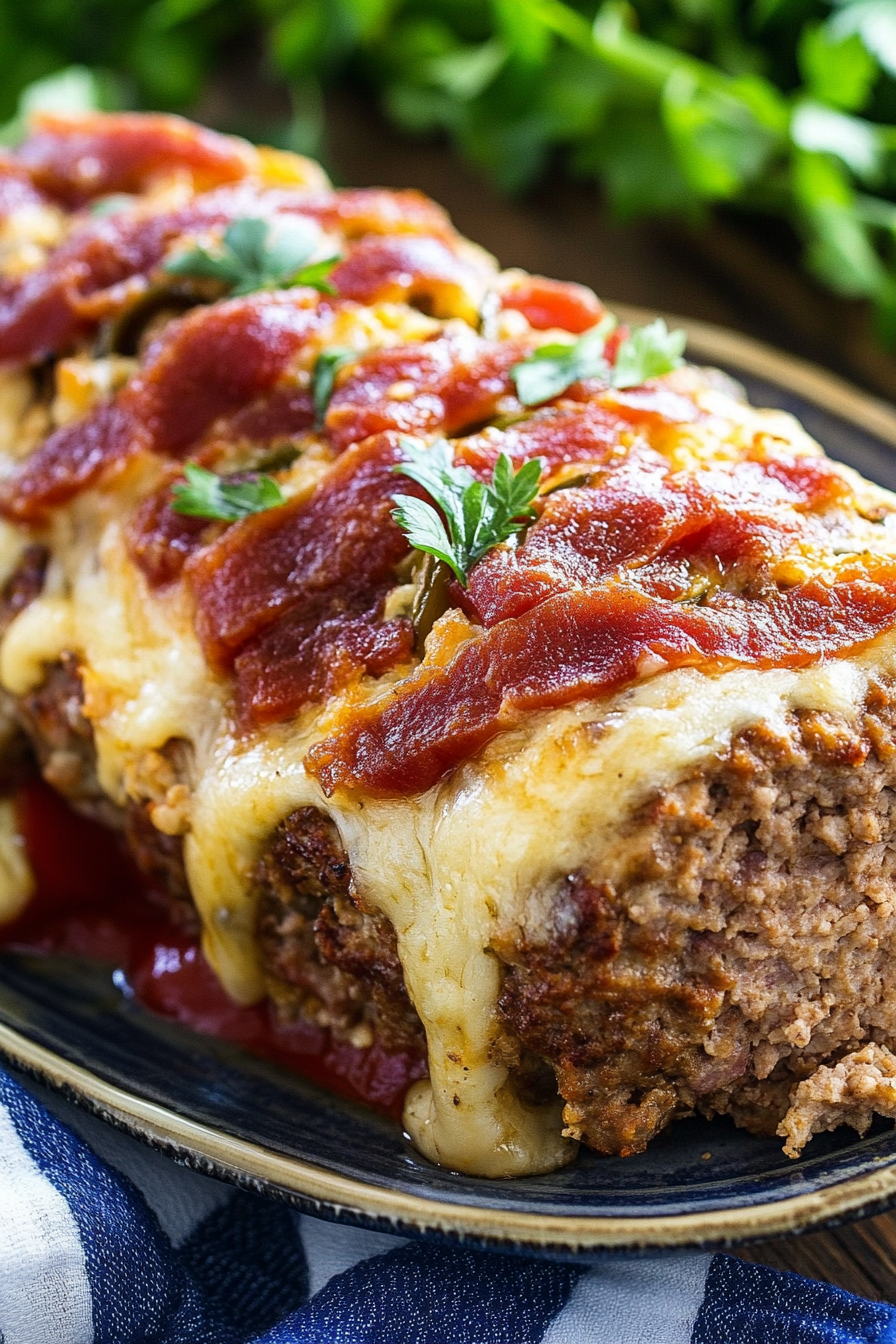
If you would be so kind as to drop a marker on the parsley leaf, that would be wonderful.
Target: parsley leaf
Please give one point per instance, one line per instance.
(205, 495)
(647, 353)
(551, 369)
(477, 516)
(326, 366)
(254, 256)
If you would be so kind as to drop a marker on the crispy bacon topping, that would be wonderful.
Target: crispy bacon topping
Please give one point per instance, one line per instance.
(642, 571)
(580, 645)
(207, 364)
(106, 261)
(553, 303)
(76, 159)
(410, 269)
(630, 565)
(295, 595)
(91, 275)
(441, 386)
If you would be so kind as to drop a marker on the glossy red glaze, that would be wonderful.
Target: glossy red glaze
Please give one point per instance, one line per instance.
(554, 303)
(89, 902)
(77, 158)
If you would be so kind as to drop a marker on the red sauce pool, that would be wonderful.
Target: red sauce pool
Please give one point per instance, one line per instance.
(90, 902)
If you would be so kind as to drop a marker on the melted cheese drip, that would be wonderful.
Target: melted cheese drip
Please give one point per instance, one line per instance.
(16, 877)
(475, 858)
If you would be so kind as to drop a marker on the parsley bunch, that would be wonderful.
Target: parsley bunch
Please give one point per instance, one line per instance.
(475, 516)
(782, 107)
(256, 255)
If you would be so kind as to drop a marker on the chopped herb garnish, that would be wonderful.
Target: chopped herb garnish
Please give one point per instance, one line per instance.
(255, 256)
(327, 365)
(477, 516)
(205, 495)
(111, 205)
(647, 353)
(552, 368)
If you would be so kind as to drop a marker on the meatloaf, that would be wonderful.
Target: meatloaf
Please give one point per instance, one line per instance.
(479, 680)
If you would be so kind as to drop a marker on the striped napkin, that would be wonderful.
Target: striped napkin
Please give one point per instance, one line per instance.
(103, 1241)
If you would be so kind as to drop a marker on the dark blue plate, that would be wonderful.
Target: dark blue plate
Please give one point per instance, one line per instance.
(226, 1112)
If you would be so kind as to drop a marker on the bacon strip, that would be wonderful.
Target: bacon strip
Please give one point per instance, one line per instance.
(207, 364)
(410, 269)
(739, 520)
(321, 563)
(106, 260)
(441, 386)
(77, 158)
(316, 650)
(553, 303)
(582, 645)
(599, 584)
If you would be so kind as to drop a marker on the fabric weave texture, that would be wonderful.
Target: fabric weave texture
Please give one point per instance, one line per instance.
(104, 1242)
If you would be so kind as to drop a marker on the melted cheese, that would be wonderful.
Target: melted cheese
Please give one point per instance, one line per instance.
(16, 877)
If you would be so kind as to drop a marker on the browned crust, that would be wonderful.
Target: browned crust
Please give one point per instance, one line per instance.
(325, 957)
(62, 738)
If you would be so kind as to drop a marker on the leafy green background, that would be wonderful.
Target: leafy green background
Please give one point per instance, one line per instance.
(786, 107)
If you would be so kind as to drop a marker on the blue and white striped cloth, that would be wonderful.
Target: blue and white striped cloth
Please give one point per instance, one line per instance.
(104, 1242)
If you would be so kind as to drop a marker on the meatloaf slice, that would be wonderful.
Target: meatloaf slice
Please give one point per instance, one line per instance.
(743, 936)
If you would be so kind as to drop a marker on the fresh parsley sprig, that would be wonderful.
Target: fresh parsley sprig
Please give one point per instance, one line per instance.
(477, 516)
(255, 256)
(205, 495)
(323, 378)
(552, 368)
(647, 353)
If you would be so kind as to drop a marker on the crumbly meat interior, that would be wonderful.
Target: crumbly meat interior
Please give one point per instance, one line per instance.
(604, 838)
(746, 938)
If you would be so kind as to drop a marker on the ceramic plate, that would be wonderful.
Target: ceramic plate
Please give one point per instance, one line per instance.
(226, 1112)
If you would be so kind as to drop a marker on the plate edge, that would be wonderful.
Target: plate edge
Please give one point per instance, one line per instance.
(342, 1197)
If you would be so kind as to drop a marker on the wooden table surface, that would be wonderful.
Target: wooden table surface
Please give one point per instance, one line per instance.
(733, 276)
